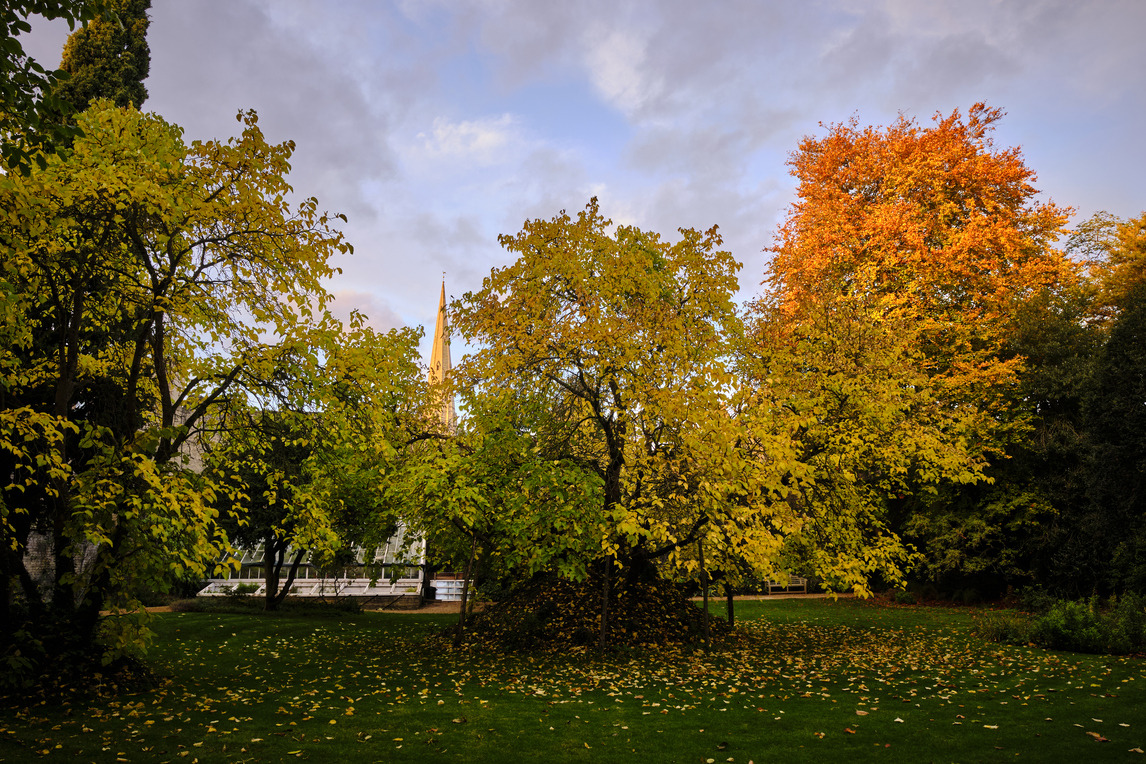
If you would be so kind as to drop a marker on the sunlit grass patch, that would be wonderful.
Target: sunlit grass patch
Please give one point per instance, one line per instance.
(800, 681)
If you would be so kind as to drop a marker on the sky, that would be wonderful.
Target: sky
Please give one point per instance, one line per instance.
(436, 125)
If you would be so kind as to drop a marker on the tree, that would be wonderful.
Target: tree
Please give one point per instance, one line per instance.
(108, 58)
(937, 236)
(32, 116)
(305, 462)
(147, 280)
(1116, 428)
(1123, 269)
(262, 491)
(848, 385)
(495, 505)
(609, 354)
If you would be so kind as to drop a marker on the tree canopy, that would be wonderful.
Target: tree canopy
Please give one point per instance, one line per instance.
(925, 241)
(108, 58)
(32, 117)
(145, 281)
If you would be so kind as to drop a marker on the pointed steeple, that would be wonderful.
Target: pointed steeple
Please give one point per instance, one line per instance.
(440, 366)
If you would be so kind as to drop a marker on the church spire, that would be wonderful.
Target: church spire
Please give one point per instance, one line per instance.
(440, 366)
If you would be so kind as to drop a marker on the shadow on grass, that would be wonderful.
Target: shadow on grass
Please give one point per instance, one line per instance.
(797, 681)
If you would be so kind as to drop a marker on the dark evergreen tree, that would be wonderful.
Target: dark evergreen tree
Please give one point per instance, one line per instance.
(1116, 426)
(109, 57)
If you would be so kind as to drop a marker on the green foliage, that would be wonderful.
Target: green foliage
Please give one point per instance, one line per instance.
(303, 466)
(141, 280)
(602, 389)
(1117, 626)
(32, 117)
(1006, 626)
(1116, 426)
(108, 58)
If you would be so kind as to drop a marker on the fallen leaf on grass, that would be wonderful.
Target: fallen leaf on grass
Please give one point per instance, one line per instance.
(991, 726)
(1097, 737)
(861, 713)
(899, 720)
(849, 730)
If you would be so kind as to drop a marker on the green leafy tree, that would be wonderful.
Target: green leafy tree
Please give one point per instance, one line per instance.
(262, 491)
(304, 462)
(1115, 415)
(142, 276)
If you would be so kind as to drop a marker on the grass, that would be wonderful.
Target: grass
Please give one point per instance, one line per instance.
(804, 680)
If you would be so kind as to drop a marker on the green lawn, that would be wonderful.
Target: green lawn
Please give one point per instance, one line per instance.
(806, 680)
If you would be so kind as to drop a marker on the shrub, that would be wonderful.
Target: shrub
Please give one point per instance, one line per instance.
(1071, 625)
(904, 597)
(1035, 599)
(1005, 626)
(1081, 626)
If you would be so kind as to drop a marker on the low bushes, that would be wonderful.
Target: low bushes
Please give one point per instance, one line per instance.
(1117, 626)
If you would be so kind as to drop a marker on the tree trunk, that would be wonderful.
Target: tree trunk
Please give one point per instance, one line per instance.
(731, 600)
(466, 590)
(285, 589)
(704, 584)
(272, 564)
(605, 580)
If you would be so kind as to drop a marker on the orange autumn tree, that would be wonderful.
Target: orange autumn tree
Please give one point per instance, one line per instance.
(895, 279)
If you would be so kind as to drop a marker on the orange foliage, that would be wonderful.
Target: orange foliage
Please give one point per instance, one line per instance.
(934, 218)
(1124, 268)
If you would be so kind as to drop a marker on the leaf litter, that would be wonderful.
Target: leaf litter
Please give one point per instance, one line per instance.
(767, 669)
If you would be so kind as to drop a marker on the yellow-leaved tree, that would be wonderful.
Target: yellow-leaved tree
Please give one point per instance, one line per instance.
(604, 370)
(145, 280)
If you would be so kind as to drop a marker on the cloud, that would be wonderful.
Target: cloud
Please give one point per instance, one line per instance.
(615, 60)
(379, 315)
(262, 61)
(476, 141)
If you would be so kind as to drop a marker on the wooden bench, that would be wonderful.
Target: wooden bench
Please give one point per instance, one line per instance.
(795, 584)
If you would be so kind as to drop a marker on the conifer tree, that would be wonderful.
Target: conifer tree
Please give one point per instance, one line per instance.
(109, 57)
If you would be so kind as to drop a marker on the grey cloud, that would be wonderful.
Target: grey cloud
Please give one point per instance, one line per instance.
(216, 57)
